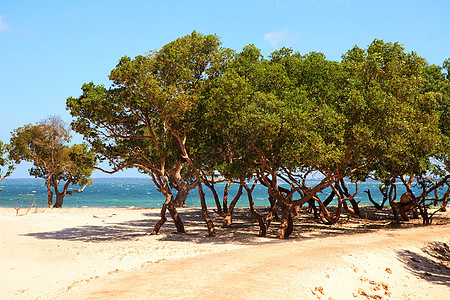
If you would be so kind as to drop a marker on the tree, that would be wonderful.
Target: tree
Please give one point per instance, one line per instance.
(46, 146)
(6, 165)
(395, 111)
(270, 126)
(145, 120)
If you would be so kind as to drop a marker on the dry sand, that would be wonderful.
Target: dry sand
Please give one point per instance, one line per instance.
(98, 253)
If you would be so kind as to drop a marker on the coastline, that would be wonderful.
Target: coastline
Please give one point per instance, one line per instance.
(57, 253)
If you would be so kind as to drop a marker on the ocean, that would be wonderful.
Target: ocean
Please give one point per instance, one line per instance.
(141, 192)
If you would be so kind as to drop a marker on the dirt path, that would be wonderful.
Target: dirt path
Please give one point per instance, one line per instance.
(387, 264)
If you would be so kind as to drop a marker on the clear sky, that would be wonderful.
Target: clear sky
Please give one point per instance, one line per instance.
(48, 49)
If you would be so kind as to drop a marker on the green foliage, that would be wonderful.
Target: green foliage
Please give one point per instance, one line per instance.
(380, 111)
(45, 145)
(392, 113)
(6, 165)
(152, 107)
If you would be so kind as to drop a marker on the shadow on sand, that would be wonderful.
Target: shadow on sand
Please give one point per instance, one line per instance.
(431, 265)
(244, 229)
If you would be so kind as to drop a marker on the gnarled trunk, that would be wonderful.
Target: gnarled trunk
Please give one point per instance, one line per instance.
(258, 217)
(343, 190)
(445, 200)
(168, 205)
(286, 224)
(205, 216)
(228, 211)
(180, 185)
(180, 198)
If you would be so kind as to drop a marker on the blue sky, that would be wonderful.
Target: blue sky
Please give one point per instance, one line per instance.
(48, 49)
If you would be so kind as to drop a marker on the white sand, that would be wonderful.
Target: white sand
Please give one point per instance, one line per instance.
(83, 252)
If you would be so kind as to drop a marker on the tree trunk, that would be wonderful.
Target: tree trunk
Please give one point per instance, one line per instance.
(228, 212)
(445, 200)
(59, 200)
(258, 217)
(393, 205)
(180, 198)
(1, 179)
(312, 208)
(175, 217)
(325, 215)
(225, 197)
(180, 185)
(272, 201)
(168, 204)
(286, 225)
(216, 198)
(270, 215)
(355, 209)
(163, 218)
(329, 198)
(49, 193)
(205, 216)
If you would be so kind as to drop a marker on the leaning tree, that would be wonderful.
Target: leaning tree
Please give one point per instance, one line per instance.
(46, 146)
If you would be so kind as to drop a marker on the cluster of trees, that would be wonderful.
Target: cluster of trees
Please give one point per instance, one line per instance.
(195, 113)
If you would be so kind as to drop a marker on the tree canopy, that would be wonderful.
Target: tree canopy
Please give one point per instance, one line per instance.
(194, 110)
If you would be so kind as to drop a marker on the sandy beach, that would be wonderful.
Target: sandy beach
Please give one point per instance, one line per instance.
(107, 253)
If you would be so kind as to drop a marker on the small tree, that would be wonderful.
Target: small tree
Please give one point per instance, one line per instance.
(6, 165)
(46, 146)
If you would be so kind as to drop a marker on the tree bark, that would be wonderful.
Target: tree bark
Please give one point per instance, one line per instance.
(205, 216)
(180, 185)
(49, 192)
(346, 194)
(225, 196)
(272, 201)
(286, 224)
(216, 197)
(445, 200)
(270, 215)
(258, 217)
(163, 218)
(59, 200)
(180, 198)
(329, 198)
(325, 215)
(228, 213)
(168, 204)
(392, 201)
(175, 217)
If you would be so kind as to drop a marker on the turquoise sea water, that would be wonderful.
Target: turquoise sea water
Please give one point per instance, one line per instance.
(141, 192)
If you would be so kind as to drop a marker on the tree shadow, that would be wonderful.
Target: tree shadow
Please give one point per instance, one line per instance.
(244, 229)
(432, 265)
(119, 232)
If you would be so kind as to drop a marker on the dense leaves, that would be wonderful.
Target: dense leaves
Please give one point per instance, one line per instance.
(194, 110)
